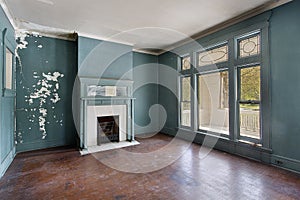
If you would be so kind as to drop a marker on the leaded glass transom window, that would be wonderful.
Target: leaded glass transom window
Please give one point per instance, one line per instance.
(213, 56)
(186, 63)
(249, 46)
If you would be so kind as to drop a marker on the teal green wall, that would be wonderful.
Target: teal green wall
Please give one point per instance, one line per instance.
(97, 58)
(7, 102)
(145, 72)
(55, 55)
(166, 97)
(285, 70)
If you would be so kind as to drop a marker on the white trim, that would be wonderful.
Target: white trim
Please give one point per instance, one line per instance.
(146, 52)
(109, 39)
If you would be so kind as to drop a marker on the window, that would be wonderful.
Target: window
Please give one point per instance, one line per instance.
(231, 81)
(249, 46)
(185, 104)
(213, 56)
(8, 69)
(249, 102)
(186, 63)
(249, 87)
(213, 102)
(224, 89)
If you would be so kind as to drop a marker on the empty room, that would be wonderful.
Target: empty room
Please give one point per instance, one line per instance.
(149, 99)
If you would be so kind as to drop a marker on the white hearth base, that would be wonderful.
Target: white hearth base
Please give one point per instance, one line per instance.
(108, 146)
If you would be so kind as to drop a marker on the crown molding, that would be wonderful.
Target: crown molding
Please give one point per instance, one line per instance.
(145, 51)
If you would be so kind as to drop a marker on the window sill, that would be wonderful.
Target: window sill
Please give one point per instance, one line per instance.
(228, 141)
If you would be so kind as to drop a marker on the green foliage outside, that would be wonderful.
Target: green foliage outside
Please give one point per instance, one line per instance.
(250, 83)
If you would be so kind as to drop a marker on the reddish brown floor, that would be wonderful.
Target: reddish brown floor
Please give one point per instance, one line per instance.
(63, 174)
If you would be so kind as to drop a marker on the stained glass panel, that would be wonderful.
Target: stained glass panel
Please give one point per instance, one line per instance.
(186, 63)
(249, 46)
(213, 56)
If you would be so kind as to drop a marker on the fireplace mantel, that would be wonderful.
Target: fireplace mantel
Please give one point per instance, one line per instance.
(96, 101)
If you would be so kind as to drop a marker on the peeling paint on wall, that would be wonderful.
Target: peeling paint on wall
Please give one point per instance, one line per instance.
(20, 36)
(42, 95)
(44, 90)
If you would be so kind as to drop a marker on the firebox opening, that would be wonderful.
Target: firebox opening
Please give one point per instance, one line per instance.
(107, 129)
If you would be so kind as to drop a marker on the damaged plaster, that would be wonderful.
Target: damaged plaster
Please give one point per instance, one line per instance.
(41, 96)
(20, 36)
(45, 92)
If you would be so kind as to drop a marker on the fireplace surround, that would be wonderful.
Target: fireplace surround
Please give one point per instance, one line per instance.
(94, 105)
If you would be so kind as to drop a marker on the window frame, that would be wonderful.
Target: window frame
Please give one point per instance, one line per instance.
(234, 61)
(211, 67)
(9, 44)
(181, 63)
(184, 74)
(261, 59)
(6, 69)
(238, 117)
(198, 101)
(182, 101)
(244, 37)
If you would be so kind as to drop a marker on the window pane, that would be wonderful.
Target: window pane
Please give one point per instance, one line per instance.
(250, 83)
(8, 69)
(250, 112)
(213, 56)
(185, 114)
(224, 89)
(186, 63)
(213, 102)
(250, 120)
(250, 46)
(186, 89)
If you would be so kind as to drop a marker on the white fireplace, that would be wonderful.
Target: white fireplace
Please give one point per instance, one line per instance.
(104, 98)
(93, 112)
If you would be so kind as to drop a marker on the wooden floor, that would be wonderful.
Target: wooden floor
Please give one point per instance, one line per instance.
(63, 174)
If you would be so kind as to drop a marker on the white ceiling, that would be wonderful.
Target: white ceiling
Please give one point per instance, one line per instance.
(152, 24)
